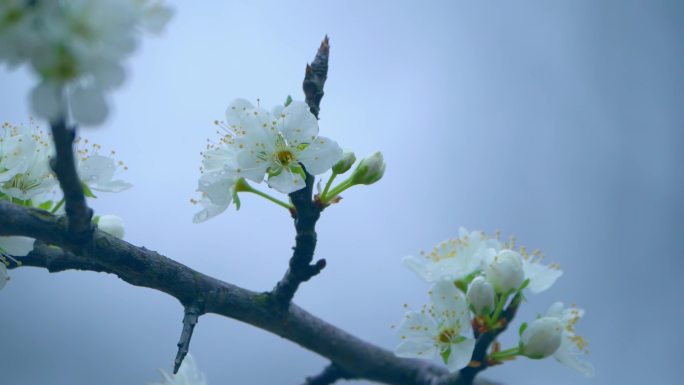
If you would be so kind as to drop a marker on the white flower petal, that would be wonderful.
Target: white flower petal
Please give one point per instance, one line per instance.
(541, 276)
(16, 246)
(416, 349)
(461, 354)
(568, 354)
(319, 156)
(449, 306)
(250, 166)
(286, 181)
(416, 325)
(297, 124)
(88, 105)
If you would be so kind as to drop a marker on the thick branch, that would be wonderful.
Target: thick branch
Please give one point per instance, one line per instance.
(142, 267)
(64, 166)
(328, 376)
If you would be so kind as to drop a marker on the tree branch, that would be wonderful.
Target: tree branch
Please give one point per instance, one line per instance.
(146, 268)
(328, 376)
(192, 314)
(64, 166)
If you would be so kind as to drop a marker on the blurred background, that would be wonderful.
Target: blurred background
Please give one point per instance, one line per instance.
(558, 122)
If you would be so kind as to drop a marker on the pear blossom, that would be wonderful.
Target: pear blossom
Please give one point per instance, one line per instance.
(76, 47)
(97, 171)
(480, 296)
(277, 143)
(541, 276)
(453, 259)
(571, 345)
(188, 374)
(112, 225)
(438, 329)
(541, 338)
(24, 162)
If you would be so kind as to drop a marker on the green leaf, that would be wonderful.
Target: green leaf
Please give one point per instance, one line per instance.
(445, 355)
(87, 191)
(236, 199)
(288, 100)
(522, 328)
(47, 205)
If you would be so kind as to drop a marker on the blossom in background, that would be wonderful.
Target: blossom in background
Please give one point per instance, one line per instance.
(97, 171)
(439, 329)
(572, 345)
(453, 259)
(76, 47)
(24, 162)
(12, 246)
(188, 374)
(275, 143)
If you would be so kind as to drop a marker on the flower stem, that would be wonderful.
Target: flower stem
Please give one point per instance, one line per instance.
(499, 307)
(270, 198)
(327, 186)
(505, 354)
(337, 190)
(57, 206)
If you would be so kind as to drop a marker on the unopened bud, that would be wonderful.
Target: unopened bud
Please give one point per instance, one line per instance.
(112, 225)
(481, 296)
(505, 271)
(369, 170)
(541, 338)
(348, 159)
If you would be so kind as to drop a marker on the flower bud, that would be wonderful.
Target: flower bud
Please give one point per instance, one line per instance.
(348, 159)
(542, 338)
(481, 296)
(112, 225)
(505, 271)
(369, 170)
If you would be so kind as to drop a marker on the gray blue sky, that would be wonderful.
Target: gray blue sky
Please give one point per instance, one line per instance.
(558, 122)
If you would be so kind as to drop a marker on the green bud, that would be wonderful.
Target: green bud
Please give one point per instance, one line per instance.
(369, 170)
(348, 159)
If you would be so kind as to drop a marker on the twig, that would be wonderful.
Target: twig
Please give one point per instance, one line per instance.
(328, 376)
(306, 212)
(64, 166)
(192, 313)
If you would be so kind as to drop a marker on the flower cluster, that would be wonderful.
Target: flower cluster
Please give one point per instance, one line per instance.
(26, 179)
(76, 47)
(474, 277)
(279, 146)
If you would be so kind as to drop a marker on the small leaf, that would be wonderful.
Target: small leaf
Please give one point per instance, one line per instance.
(445, 355)
(47, 205)
(87, 191)
(522, 328)
(288, 100)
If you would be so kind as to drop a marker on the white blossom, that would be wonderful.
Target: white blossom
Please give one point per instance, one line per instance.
(188, 374)
(541, 338)
(97, 171)
(276, 143)
(218, 189)
(572, 346)
(438, 329)
(77, 48)
(453, 259)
